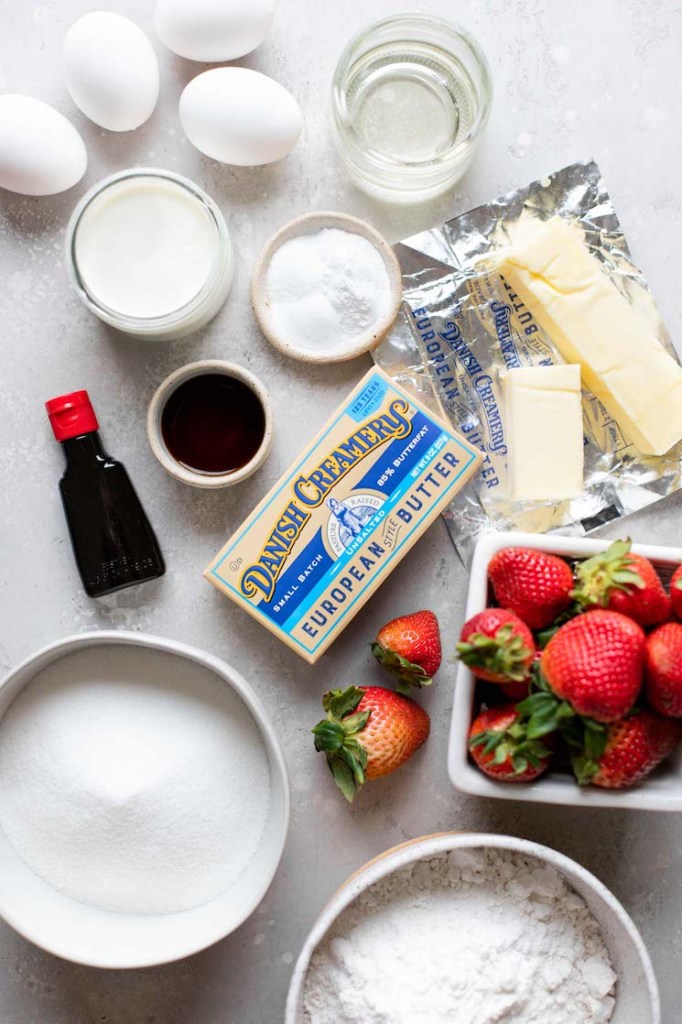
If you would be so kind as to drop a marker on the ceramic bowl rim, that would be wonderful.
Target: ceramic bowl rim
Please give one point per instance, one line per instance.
(163, 392)
(306, 224)
(231, 677)
(430, 845)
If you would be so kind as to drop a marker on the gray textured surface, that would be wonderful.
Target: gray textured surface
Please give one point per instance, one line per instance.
(590, 78)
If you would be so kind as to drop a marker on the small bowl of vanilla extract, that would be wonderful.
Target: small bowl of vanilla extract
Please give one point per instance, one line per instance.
(210, 424)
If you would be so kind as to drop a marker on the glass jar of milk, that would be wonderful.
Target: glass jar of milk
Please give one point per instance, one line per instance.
(149, 253)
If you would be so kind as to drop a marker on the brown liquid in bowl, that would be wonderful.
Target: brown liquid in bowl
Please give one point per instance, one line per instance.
(213, 423)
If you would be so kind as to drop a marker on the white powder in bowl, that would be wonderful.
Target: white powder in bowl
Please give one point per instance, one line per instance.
(470, 937)
(133, 780)
(326, 289)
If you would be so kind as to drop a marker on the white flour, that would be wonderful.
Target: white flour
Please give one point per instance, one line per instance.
(133, 781)
(327, 288)
(467, 938)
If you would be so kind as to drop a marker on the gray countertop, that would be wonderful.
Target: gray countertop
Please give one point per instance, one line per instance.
(591, 78)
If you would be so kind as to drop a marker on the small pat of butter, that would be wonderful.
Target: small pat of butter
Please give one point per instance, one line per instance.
(592, 324)
(543, 416)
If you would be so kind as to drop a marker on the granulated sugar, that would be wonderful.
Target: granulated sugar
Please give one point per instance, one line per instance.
(132, 780)
(327, 288)
(473, 937)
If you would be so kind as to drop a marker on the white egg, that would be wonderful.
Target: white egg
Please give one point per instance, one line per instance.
(41, 153)
(111, 70)
(239, 116)
(213, 30)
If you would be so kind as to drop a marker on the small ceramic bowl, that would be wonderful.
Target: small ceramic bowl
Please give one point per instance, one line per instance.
(101, 938)
(660, 791)
(637, 999)
(309, 224)
(154, 433)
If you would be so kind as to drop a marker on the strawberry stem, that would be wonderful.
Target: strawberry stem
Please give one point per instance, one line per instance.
(599, 576)
(586, 740)
(409, 674)
(512, 744)
(336, 736)
(543, 711)
(504, 654)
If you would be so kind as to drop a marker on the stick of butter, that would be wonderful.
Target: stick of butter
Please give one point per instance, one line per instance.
(544, 419)
(592, 324)
(343, 515)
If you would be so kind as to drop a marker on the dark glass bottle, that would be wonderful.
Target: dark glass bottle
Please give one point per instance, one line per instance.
(113, 541)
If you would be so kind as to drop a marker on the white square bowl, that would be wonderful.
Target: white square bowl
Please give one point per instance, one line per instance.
(661, 791)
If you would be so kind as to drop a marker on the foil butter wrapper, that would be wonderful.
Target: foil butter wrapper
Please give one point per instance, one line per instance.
(461, 327)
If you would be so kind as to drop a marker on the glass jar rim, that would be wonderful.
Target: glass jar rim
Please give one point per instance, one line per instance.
(341, 116)
(135, 324)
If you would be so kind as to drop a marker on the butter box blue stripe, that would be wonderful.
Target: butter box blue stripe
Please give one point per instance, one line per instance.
(383, 566)
(347, 557)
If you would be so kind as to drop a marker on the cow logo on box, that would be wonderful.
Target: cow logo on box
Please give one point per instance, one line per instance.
(348, 518)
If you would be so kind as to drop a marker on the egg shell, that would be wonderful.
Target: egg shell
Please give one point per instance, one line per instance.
(41, 153)
(239, 116)
(213, 30)
(111, 71)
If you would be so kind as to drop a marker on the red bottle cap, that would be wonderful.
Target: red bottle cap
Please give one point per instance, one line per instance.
(71, 415)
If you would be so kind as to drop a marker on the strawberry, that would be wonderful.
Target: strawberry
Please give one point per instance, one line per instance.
(497, 646)
(676, 592)
(368, 732)
(501, 749)
(516, 691)
(410, 648)
(623, 582)
(663, 669)
(535, 585)
(595, 662)
(629, 750)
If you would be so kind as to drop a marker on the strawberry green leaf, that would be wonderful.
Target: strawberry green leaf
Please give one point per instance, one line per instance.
(488, 739)
(536, 703)
(501, 754)
(328, 736)
(594, 738)
(543, 713)
(511, 745)
(343, 777)
(597, 577)
(505, 654)
(356, 751)
(584, 769)
(337, 736)
(409, 674)
(353, 724)
(348, 755)
(339, 703)
(586, 740)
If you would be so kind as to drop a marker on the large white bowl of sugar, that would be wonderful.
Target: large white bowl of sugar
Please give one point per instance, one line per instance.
(144, 800)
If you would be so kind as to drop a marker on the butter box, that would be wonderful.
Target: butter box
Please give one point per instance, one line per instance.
(343, 515)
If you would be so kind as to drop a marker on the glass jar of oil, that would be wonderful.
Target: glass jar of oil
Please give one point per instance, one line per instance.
(411, 98)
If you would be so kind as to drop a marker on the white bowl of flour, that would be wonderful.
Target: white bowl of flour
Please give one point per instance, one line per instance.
(473, 929)
(144, 801)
